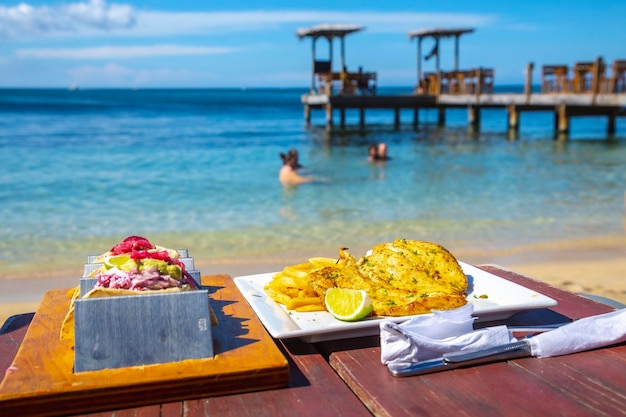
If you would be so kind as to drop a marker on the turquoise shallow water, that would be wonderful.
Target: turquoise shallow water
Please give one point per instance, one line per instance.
(81, 170)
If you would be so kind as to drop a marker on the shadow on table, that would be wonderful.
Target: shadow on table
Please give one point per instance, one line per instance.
(230, 331)
(540, 316)
(16, 322)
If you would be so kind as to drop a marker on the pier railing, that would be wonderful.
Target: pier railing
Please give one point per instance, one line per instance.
(585, 91)
(585, 78)
(472, 81)
(347, 83)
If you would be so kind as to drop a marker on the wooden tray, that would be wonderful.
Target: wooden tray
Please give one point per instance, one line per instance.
(41, 380)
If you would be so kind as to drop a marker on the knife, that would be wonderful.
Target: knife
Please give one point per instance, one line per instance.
(599, 331)
(462, 359)
(453, 360)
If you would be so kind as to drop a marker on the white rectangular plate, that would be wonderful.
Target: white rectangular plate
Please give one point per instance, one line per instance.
(501, 299)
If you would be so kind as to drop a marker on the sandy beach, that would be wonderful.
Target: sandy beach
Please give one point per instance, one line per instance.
(593, 266)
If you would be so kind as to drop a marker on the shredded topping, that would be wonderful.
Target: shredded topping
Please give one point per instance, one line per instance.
(148, 279)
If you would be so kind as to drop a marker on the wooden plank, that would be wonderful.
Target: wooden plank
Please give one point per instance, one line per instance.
(496, 389)
(588, 383)
(246, 359)
(595, 379)
(314, 390)
(574, 385)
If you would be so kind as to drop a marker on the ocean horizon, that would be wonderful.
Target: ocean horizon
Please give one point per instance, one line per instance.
(197, 169)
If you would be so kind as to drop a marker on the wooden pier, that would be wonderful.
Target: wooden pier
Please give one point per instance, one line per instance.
(563, 106)
(589, 91)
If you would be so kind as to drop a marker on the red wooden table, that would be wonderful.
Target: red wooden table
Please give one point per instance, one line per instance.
(582, 384)
(346, 377)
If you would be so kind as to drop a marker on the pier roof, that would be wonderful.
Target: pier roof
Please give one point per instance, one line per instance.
(439, 32)
(328, 31)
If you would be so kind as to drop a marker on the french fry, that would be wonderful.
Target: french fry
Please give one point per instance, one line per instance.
(276, 295)
(285, 281)
(298, 271)
(295, 303)
(310, 308)
(291, 288)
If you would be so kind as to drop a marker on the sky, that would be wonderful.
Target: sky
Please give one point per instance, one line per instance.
(248, 44)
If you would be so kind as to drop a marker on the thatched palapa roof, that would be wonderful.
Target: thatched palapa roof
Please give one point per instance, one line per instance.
(329, 31)
(439, 33)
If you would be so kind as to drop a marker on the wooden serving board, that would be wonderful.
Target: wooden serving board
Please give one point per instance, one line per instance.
(41, 380)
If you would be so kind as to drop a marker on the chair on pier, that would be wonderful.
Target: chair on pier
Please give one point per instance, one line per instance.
(430, 84)
(473, 81)
(443, 83)
(322, 70)
(589, 77)
(555, 79)
(617, 81)
(465, 81)
(456, 82)
(365, 82)
(485, 80)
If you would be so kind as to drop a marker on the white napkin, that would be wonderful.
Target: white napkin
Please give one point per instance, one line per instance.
(584, 334)
(429, 336)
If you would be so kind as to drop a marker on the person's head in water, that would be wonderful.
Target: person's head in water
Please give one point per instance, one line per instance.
(293, 157)
(372, 152)
(382, 151)
(288, 174)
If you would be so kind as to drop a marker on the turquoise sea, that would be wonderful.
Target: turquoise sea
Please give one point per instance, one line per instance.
(197, 169)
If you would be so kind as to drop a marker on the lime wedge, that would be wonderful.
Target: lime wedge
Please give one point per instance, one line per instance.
(348, 305)
(116, 261)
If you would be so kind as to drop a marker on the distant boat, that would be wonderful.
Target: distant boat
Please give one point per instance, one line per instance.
(73, 87)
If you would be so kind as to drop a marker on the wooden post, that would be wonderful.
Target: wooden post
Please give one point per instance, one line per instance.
(595, 82)
(342, 116)
(479, 81)
(441, 121)
(329, 117)
(396, 119)
(416, 117)
(562, 121)
(473, 117)
(513, 122)
(528, 88)
(611, 124)
(513, 117)
(307, 114)
(362, 116)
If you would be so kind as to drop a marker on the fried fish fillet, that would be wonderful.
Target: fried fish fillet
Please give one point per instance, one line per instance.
(403, 277)
(410, 264)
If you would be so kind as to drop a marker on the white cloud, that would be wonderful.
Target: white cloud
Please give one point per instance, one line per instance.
(121, 52)
(97, 17)
(25, 20)
(153, 23)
